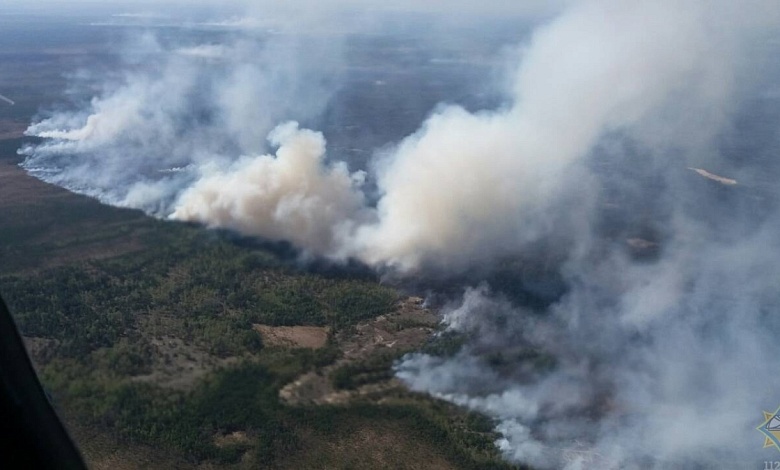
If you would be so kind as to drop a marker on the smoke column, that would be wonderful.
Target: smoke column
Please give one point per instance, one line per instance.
(659, 350)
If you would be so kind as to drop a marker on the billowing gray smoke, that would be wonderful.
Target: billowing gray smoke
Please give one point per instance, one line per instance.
(658, 354)
(661, 351)
(176, 110)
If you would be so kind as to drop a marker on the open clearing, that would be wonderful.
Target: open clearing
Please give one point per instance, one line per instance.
(313, 337)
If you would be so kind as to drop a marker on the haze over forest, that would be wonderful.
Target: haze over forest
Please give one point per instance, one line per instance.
(583, 191)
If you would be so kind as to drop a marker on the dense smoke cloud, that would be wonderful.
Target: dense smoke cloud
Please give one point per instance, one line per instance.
(175, 107)
(656, 366)
(653, 361)
(291, 196)
(659, 353)
(600, 67)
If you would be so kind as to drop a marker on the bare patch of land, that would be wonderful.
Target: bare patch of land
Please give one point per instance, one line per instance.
(313, 337)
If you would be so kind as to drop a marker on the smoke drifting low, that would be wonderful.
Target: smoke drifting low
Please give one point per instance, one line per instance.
(175, 107)
(661, 351)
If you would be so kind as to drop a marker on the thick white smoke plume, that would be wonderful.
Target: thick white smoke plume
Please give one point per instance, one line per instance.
(292, 196)
(657, 350)
(599, 67)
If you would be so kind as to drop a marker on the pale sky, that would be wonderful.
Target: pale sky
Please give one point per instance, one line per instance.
(515, 7)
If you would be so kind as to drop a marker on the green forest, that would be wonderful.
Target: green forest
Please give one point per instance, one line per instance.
(156, 347)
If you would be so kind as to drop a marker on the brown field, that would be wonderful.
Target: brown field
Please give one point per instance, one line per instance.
(19, 188)
(313, 337)
(11, 129)
(35, 217)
